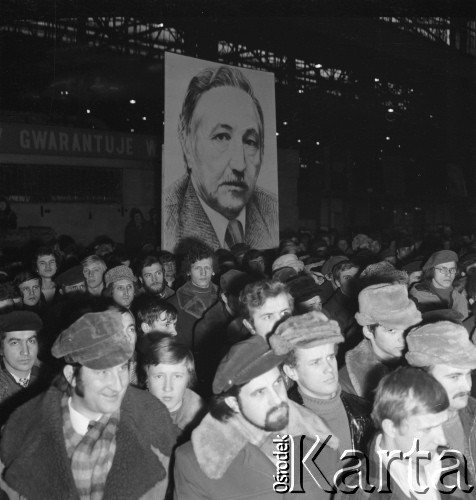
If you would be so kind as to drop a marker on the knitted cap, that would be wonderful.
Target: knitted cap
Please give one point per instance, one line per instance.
(440, 257)
(387, 305)
(444, 343)
(20, 321)
(307, 330)
(288, 260)
(245, 361)
(384, 272)
(119, 273)
(96, 340)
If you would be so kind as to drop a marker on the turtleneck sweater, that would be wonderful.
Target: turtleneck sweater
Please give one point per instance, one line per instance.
(332, 411)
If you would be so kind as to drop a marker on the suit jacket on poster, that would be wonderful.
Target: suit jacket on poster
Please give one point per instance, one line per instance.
(185, 217)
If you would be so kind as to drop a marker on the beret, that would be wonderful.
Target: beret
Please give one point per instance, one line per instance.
(440, 258)
(71, 276)
(233, 281)
(20, 321)
(412, 267)
(443, 343)
(245, 361)
(388, 305)
(119, 273)
(307, 330)
(96, 340)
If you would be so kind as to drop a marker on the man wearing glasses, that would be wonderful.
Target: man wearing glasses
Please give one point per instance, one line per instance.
(436, 289)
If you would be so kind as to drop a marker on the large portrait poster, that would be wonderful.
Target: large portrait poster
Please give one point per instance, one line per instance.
(219, 169)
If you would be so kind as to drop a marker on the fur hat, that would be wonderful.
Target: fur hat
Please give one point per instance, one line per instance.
(119, 273)
(387, 305)
(444, 343)
(361, 241)
(440, 257)
(383, 272)
(95, 340)
(245, 361)
(307, 330)
(288, 260)
(20, 321)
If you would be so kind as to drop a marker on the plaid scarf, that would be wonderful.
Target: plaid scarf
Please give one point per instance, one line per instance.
(92, 454)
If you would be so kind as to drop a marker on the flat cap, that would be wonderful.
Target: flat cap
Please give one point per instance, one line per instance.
(245, 361)
(331, 262)
(388, 305)
(440, 257)
(71, 276)
(307, 330)
(96, 340)
(444, 343)
(288, 260)
(119, 273)
(20, 321)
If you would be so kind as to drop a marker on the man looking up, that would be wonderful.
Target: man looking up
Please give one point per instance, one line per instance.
(385, 312)
(443, 349)
(231, 452)
(221, 132)
(90, 435)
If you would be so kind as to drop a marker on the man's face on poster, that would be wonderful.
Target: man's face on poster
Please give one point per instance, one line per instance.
(224, 149)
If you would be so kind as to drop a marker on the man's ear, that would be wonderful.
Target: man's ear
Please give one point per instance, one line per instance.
(290, 372)
(367, 333)
(249, 326)
(187, 148)
(146, 328)
(68, 373)
(232, 402)
(389, 428)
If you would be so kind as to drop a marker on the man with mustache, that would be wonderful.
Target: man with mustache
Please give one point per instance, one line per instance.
(221, 132)
(230, 454)
(444, 350)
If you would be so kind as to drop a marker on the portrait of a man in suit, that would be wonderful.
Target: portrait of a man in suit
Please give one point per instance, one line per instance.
(221, 133)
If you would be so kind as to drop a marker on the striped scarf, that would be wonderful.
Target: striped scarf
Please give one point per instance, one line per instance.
(91, 455)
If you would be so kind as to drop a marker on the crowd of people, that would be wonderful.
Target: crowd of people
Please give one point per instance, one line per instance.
(133, 372)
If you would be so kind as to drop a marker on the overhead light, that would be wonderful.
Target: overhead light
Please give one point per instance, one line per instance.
(318, 66)
(390, 110)
(285, 123)
(132, 101)
(318, 143)
(88, 111)
(277, 133)
(387, 138)
(144, 118)
(132, 130)
(376, 80)
(299, 140)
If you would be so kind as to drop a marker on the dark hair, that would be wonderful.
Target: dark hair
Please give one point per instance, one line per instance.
(149, 308)
(405, 392)
(165, 256)
(340, 267)
(44, 250)
(147, 261)
(255, 294)
(196, 253)
(219, 408)
(205, 80)
(134, 211)
(24, 276)
(156, 348)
